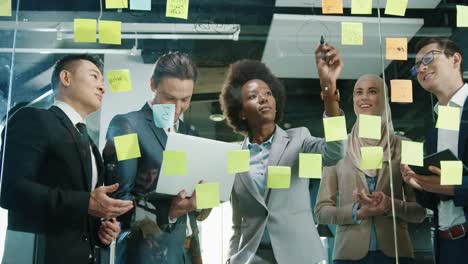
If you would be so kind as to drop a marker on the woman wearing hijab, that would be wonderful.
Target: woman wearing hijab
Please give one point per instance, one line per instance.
(363, 211)
(274, 225)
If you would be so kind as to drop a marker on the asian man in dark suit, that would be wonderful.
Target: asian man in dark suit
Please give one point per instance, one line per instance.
(438, 70)
(161, 229)
(53, 173)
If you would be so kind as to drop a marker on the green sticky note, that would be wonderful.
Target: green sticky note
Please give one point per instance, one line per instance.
(116, 4)
(335, 128)
(174, 163)
(361, 7)
(110, 32)
(127, 147)
(412, 153)
(238, 161)
(396, 7)
(352, 33)
(310, 165)
(207, 195)
(462, 16)
(370, 126)
(84, 30)
(177, 8)
(449, 118)
(279, 177)
(119, 80)
(371, 158)
(451, 172)
(5, 7)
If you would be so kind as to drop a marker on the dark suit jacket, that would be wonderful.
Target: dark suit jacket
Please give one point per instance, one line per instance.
(431, 200)
(45, 184)
(138, 178)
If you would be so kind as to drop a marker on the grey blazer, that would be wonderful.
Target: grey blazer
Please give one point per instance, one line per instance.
(287, 213)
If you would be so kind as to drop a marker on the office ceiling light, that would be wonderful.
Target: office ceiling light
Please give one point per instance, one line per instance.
(217, 117)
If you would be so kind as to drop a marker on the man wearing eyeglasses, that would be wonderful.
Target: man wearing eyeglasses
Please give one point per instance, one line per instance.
(438, 70)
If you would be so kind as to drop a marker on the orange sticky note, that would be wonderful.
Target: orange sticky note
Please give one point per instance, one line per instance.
(397, 49)
(116, 3)
(5, 7)
(396, 7)
(332, 6)
(110, 32)
(402, 91)
(84, 30)
(462, 16)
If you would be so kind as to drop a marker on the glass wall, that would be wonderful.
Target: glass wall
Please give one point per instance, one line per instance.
(373, 38)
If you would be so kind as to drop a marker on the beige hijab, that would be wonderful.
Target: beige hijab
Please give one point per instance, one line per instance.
(355, 142)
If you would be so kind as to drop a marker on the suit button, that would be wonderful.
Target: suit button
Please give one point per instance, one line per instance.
(84, 238)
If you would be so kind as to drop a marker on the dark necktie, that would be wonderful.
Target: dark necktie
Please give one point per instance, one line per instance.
(85, 151)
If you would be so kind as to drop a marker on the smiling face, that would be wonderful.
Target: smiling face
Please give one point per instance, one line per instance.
(441, 71)
(368, 97)
(82, 87)
(258, 103)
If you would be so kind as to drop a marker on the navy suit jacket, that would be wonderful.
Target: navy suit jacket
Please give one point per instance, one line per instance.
(431, 200)
(138, 179)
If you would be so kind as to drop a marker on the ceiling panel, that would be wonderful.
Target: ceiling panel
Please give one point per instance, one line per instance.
(289, 50)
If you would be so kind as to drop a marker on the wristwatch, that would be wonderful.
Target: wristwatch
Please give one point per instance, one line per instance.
(325, 95)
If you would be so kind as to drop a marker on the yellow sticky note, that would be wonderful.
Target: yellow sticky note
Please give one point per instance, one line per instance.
(127, 147)
(361, 7)
(462, 16)
(310, 165)
(5, 7)
(451, 172)
(397, 49)
(174, 163)
(116, 3)
(396, 7)
(207, 195)
(238, 161)
(370, 126)
(412, 153)
(352, 33)
(84, 30)
(448, 118)
(119, 80)
(177, 8)
(110, 32)
(335, 128)
(332, 6)
(402, 91)
(371, 158)
(279, 177)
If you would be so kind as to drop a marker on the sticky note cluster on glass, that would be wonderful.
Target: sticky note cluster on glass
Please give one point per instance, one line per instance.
(174, 163)
(310, 165)
(370, 126)
(177, 8)
(119, 80)
(127, 147)
(412, 153)
(401, 91)
(207, 195)
(335, 128)
(109, 31)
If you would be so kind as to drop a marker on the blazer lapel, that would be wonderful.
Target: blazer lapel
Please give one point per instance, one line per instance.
(76, 138)
(158, 132)
(280, 141)
(248, 182)
(99, 163)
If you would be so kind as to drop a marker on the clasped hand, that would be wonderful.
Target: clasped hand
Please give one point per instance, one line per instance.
(375, 204)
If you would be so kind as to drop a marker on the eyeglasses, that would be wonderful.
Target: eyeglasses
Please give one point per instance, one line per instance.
(426, 60)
